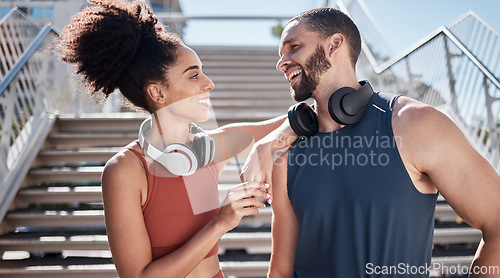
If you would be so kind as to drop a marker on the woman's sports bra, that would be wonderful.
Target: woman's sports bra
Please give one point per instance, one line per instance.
(177, 207)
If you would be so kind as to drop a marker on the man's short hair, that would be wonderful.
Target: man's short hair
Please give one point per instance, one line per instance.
(328, 21)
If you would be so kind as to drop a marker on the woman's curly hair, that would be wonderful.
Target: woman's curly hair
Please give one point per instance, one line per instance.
(118, 44)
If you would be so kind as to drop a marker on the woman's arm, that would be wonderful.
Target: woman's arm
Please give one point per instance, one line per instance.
(238, 138)
(129, 242)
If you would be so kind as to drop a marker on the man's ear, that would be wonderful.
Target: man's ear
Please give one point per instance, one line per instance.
(335, 41)
(156, 93)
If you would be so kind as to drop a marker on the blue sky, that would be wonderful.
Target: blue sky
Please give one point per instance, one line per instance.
(403, 22)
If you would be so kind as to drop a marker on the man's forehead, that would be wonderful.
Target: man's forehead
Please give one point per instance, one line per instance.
(290, 29)
(289, 34)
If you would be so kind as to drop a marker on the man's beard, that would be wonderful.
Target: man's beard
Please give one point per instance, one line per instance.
(316, 64)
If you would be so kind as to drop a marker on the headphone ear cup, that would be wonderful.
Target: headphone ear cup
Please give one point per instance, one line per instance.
(211, 149)
(337, 107)
(179, 159)
(303, 119)
(202, 147)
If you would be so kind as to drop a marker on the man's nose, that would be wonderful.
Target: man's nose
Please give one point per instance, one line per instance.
(282, 64)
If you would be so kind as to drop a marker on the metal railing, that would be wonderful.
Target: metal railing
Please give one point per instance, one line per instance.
(33, 82)
(480, 38)
(16, 33)
(459, 78)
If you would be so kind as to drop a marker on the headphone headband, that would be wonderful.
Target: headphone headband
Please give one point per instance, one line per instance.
(178, 158)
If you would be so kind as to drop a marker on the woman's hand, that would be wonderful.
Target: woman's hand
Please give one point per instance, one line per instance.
(240, 201)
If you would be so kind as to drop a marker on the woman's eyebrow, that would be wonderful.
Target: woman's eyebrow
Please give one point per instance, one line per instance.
(192, 67)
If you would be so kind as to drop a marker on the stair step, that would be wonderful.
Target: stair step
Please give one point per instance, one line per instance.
(259, 104)
(456, 235)
(82, 140)
(60, 194)
(58, 267)
(51, 242)
(104, 268)
(71, 192)
(94, 216)
(76, 217)
(92, 193)
(55, 217)
(54, 241)
(103, 122)
(208, 64)
(82, 155)
(65, 174)
(445, 213)
(251, 242)
(224, 116)
(212, 72)
(257, 86)
(249, 95)
(230, 174)
(239, 57)
(265, 79)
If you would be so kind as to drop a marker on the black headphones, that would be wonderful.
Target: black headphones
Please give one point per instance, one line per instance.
(346, 106)
(180, 159)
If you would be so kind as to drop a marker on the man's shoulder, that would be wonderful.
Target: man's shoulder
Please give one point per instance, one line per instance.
(409, 112)
(420, 123)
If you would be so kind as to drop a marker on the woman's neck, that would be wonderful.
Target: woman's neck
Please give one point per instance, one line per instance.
(166, 130)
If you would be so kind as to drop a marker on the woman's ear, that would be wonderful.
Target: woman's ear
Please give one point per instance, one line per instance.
(155, 92)
(335, 41)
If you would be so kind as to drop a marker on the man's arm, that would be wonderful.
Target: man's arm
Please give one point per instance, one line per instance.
(285, 227)
(436, 147)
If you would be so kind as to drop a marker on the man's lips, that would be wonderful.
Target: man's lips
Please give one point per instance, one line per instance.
(290, 75)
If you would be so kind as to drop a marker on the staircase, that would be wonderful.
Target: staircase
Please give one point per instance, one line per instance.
(54, 226)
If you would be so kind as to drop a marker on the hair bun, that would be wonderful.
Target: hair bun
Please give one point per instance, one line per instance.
(119, 44)
(146, 19)
(108, 35)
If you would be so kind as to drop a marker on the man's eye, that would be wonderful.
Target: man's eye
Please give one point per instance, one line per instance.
(195, 76)
(294, 46)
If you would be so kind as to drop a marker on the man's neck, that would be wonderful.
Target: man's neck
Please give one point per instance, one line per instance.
(325, 121)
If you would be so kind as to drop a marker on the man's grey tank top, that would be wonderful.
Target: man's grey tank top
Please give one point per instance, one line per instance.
(360, 214)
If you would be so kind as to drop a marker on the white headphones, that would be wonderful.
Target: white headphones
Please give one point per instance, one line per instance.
(179, 159)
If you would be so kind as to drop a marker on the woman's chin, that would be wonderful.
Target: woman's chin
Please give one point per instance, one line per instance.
(202, 118)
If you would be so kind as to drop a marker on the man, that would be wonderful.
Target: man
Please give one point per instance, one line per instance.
(370, 204)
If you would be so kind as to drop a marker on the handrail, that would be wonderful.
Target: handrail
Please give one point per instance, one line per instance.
(441, 30)
(7, 15)
(471, 13)
(374, 23)
(177, 17)
(11, 75)
(455, 40)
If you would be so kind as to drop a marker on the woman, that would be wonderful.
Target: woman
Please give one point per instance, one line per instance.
(162, 219)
